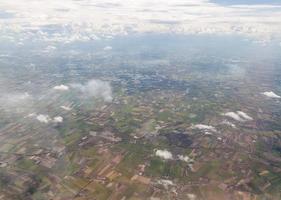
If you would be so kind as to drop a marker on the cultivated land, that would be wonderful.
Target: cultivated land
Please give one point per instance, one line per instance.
(191, 128)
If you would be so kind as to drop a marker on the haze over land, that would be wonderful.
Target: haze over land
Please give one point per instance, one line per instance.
(140, 99)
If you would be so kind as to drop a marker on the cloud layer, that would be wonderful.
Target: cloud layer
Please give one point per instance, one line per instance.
(83, 20)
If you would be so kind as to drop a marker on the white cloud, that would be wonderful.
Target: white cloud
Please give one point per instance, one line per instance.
(43, 118)
(238, 116)
(184, 158)
(228, 123)
(271, 95)
(61, 87)
(204, 127)
(234, 116)
(31, 115)
(58, 119)
(95, 88)
(164, 154)
(46, 118)
(244, 115)
(66, 108)
(84, 20)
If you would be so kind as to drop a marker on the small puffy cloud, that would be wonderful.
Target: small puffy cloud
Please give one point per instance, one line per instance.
(61, 87)
(46, 118)
(31, 115)
(107, 48)
(164, 154)
(95, 88)
(234, 116)
(184, 158)
(58, 119)
(271, 95)
(225, 122)
(238, 116)
(67, 108)
(204, 127)
(244, 115)
(43, 118)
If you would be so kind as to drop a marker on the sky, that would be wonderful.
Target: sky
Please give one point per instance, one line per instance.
(71, 20)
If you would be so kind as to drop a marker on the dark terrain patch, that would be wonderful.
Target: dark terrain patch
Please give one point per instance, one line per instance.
(178, 139)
